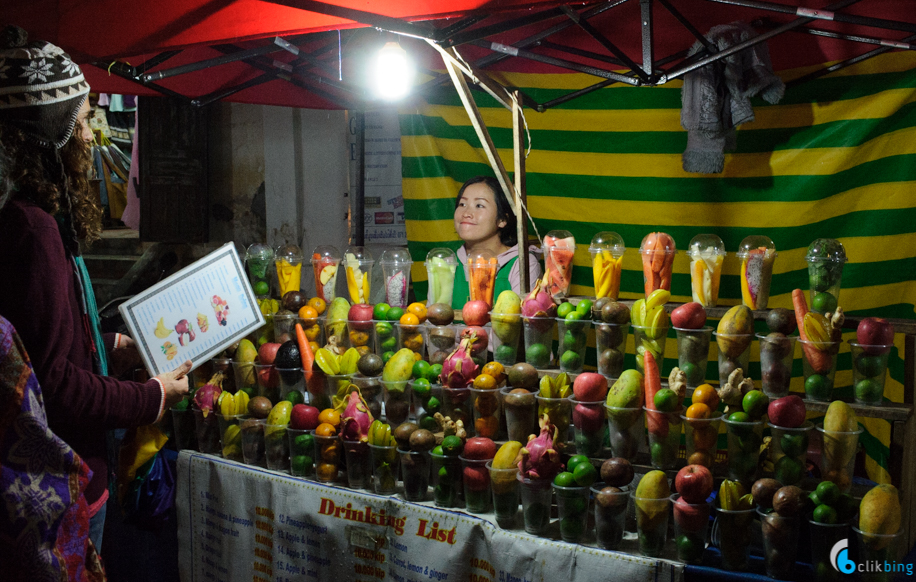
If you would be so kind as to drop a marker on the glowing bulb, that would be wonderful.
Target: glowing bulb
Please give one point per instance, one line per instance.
(393, 72)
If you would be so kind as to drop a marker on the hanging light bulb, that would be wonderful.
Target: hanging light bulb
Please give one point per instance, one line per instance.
(393, 72)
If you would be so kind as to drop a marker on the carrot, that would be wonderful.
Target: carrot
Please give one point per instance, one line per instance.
(305, 350)
(656, 421)
(801, 309)
(820, 360)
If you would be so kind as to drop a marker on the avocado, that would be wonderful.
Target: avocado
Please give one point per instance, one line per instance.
(289, 362)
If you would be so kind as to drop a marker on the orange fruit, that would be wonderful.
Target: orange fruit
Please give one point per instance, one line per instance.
(309, 315)
(485, 382)
(700, 458)
(318, 304)
(358, 338)
(312, 333)
(486, 404)
(419, 310)
(326, 429)
(706, 394)
(314, 346)
(326, 471)
(409, 319)
(330, 416)
(495, 369)
(486, 426)
(704, 437)
(413, 341)
(698, 410)
(330, 452)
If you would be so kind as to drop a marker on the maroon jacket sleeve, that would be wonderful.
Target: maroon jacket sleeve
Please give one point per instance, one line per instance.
(39, 299)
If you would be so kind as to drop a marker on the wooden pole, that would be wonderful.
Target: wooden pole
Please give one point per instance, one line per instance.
(518, 147)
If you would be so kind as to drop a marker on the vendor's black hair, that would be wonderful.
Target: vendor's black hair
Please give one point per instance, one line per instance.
(508, 235)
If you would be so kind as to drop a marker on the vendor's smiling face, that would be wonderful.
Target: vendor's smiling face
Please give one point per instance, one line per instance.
(475, 215)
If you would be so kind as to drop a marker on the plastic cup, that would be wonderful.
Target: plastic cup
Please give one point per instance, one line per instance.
(702, 436)
(327, 458)
(447, 481)
(590, 425)
(325, 266)
(626, 431)
(693, 353)
(361, 335)
(301, 452)
(441, 264)
(657, 251)
(521, 414)
(651, 524)
(268, 381)
(869, 371)
(819, 367)
(487, 412)
(664, 437)
(395, 263)
(504, 483)
(245, 378)
(412, 337)
(734, 536)
(427, 401)
(572, 509)
(183, 430)
(284, 326)
(789, 452)
(650, 340)
(823, 537)
(691, 521)
(482, 268)
(536, 496)
(876, 549)
(276, 447)
(370, 387)
(744, 440)
(825, 258)
(223, 365)
(288, 262)
(477, 495)
(776, 354)
(397, 402)
(338, 389)
(316, 388)
(441, 340)
(314, 332)
(253, 448)
(757, 254)
(559, 411)
(336, 333)
(357, 264)
(573, 336)
(384, 461)
(359, 468)
(456, 404)
(230, 437)
(206, 429)
(610, 515)
(734, 353)
(258, 257)
(507, 330)
(706, 253)
(607, 251)
(538, 340)
(291, 380)
(559, 249)
(415, 474)
(780, 544)
(838, 456)
(611, 345)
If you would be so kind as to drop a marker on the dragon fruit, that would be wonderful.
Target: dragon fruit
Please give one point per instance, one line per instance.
(478, 334)
(396, 290)
(756, 274)
(206, 396)
(539, 459)
(458, 369)
(356, 419)
(539, 303)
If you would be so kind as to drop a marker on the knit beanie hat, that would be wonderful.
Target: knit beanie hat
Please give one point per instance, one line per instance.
(41, 89)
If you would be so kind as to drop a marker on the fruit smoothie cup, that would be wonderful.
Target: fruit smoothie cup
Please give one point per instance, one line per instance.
(482, 267)
(338, 389)
(611, 345)
(874, 549)
(504, 483)
(590, 426)
(521, 407)
(183, 429)
(610, 515)
(780, 544)
(607, 251)
(693, 353)
(412, 337)
(538, 340)
(838, 456)
(245, 378)
(257, 260)
(572, 509)
(744, 440)
(316, 388)
(734, 536)
(559, 249)
(370, 388)
(626, 431)
(441, 264)
(325, 262)
(358, 263)
(702, 437)
(426, 402)
(441, 339)
(536, 495)
(361, 335)
(651, 523)
(559, 411)
(734, 353)
(276, 447)
(385, 338)
(757, 254)
(706, 252)
(664, 437)
(691, 521)
(288, 260)
(447, 481)
(825, 258)
(268, 381)
(819, 381)
(396, 263)
(788, 452)
(823, 537)
(301, 452)
(230, 436)
(777, 351)
(415, 474)
(869, 370)
(207, 430)
(384, 461)
(657, 251)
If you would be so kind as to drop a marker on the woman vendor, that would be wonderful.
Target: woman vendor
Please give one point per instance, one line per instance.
(485, 222)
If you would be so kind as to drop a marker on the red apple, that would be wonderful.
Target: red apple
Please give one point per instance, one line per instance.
(476, 312)
(787, 412)
(694, 483)
(589, 419)
(590, 387)
(873, 332)
(267, 353)
(476, 478)
(690, 517)
(268, 377)
(479, 448)
(361, 315)
(304, 417)
(689, 316)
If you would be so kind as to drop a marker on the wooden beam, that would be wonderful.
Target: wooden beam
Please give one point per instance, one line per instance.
(518, 149)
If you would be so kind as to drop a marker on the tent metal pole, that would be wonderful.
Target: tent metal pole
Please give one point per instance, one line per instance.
(645, 21)
(894, 44)
(276, 45)
(485, 31)
(843, 64)
(444, 33)
(423, 30)
(608, 45)
(686, 24)
(155, 61)
(826, 13)
(521, 222)
(128, 72)
(562, 63)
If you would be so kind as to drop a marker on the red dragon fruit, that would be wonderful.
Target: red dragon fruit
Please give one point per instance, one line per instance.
(539, 303)
(539, 459)
(480, 337)
(356, 419)
(458, 369)
(206, 396)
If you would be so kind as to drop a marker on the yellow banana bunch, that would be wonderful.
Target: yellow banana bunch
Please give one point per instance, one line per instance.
(606, 270)
(733, 496)
(233, 404)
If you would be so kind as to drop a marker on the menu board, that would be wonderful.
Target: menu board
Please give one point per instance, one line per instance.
(194, 314)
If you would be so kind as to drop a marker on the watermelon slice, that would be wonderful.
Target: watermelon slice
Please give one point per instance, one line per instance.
(558, 261)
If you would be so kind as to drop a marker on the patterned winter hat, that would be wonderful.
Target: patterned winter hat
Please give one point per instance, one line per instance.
(41, 89)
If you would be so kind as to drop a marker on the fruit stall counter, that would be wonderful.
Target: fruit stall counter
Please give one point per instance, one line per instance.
(238, 522)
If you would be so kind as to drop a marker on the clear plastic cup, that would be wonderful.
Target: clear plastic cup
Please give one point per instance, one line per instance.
(325, 263)
(285, 326)
(706, 253)
(291, 380)
(359, 467)
(268, 381)
(397, 402)
(183, 430)
(626, 431)
(441, 340)
(693, 353)
(650, 340)
(777, 351)
(757, 254)
(819, 367)
(441, 264)
(223, 365)
(327, 458)
(651, 523)
(456, 404)
(301, 452)
(396, 263)
(316, 388)
(607, 251)
(611, 345)
(386, 339)
(559, 411)
(875, 549)
(206, 429)
(572, 509)
(370, 388)
(358, 263)
(538, 340)
(245, 378)
(447, 481)
(691, 521)
(337, 333)
(337, 389)
(384, 468)
(412, 337)
(482, 267)
(536, 496)
(257, 260)
(780, 544)
(361, 335)
(230, 437)
(276, 447)
(504, 483)
(825, 257)
(789, 452)
(744, 440)
(507, 330)
(610, 515)
(657, 251)
(288, 261)
(573, 336)
(521, 414)
(415, 474)
(869, 371)
(734, 536)
(702, 437)
(487, 411)
(664, 437)
(823, 537)
(427, 401)
(253, 451)
(477, 491)
(559, 250)
(590, 425)
(838, 456)
(734, 353)
(314, 332)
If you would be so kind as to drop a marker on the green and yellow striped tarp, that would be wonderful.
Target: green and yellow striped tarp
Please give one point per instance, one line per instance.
(836, 158)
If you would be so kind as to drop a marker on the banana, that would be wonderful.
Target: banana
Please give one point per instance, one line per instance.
(162, 331)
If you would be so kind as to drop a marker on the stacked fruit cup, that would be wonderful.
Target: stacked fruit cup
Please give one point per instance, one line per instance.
(734, 354)
(230, 436)
(301, 452)
(358, 264)
(441, 264)
(825, 258)
(396, 263)
(838, 455)
(744, 440)
(370, 388)
(328, 457)
(691, 520)
(788, 451)
(559, 411)
(780, 543)
(607, 249)
(538, 340)
(292, 384)
(253, 451)
(359, 468)
(702, 435)
(611, 345)
(456, 404)
(734, 536)
(757, 254)
(447, 480)
(325, 263)
(824, 536)
(245, 378)
(536, 495)
(284, 326)
(874, 548)
(268, 381)
(415, 468)
(777, 351)
(626, 430)
(361, 335)
(257, 259)
(487, 411)
(276, 447)
(573, 336)
(507, 330)
(482, 267)
(559, 250)
(706, 253)
(520, 407)
(442, 339)
(652, 514)
(572, 509)
(337, 389)
(504, 483)
(819, 368)
(206, 428)
(664, 437)
(611, 505)
(412, 337)
(658, 251)
(397, 401)
(476, 477)
(693, 353)
(869, 370)
(589, 422)
(650, 341)
(427, 401)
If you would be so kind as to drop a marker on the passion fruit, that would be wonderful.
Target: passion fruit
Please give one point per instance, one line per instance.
(440, 314)
(370, 365)
(260, 407)
(522, 375)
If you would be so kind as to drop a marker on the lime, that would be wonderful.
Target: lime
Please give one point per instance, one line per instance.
(870, 366)
(182, 404)
(295, 397)
(433, 405)
(584, 307)
(571, 528)
(738, 417)
(421, 387)
(505, 353)
(565, 479)
(452, 446)
(380, 311)
(828, 492)
(573, 316)
(573, 341)
(300, 464)
(692, 371)
(261, 288)
(537, 355)
(793, 444)
(689, 549)
(789, 470)
(824, 514)
(433, 374)
(429, 423)
(420, 368)
(666, 400)
(869, 390)
(814, 499)
(585, 474)
(394, 314)
(249, 390)
(437, 450)
(755, 404)
(304, 443)
(824, 303)
(574, 461)
(570, 360)
(817, 387)
(565, 309)
(383, 329)
(387, 355)
(389, 344)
